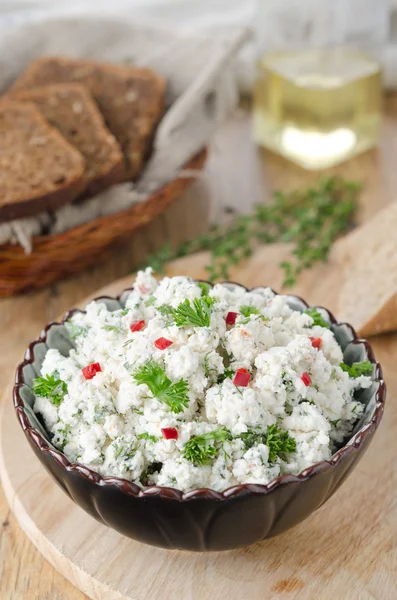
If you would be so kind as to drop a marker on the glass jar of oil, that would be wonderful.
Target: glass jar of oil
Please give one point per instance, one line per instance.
(317, 101)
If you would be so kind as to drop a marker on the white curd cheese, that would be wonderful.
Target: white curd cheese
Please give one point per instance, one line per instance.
(191, 386)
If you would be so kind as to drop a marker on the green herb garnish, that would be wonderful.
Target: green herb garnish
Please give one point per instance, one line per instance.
(358, 368)
(277, 440)
(50, 387)
(147, 436)
(175, 395)
(124, 452)
(115, 328)
(227, 374)
(199, 449)
(310, 219)
(64, 435)
(247, 311)
(150, 301)
(100, 412)
(187, 314)
(75, 331)
(317, 317)
(208, 371)
(204, 287)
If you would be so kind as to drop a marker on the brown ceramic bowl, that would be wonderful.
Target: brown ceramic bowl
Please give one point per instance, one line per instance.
(202, 519)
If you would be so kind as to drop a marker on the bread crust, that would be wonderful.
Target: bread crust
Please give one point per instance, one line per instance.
(131, 99)
(368, 294)
(70, 108)
(48, 145)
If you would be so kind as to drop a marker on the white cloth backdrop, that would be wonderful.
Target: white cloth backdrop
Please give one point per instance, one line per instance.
(193, 15)
(280, 19)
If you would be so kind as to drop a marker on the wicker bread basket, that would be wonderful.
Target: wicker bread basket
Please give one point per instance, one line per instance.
(201, 92)
(55, 257)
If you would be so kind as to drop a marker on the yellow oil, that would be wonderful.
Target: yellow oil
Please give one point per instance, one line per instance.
(317, 107)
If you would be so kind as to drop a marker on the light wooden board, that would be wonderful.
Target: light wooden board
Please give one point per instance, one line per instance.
(237, 175)
(347, 550)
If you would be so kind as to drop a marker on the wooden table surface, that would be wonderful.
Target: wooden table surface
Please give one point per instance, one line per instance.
(237, 175)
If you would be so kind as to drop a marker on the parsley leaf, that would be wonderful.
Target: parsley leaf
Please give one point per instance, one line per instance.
(200, 451)
(247, 311)
(252, 438)
(227, 374)
(205, 288)
(276, 439)
(175, 395)
(317, 317)
(196, 314)
(50, 387)
(358, 368)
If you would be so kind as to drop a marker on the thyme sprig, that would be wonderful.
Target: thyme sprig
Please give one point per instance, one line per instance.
(310, 219)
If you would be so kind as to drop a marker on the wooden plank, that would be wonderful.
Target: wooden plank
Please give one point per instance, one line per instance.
(314, 560)
(236, 175)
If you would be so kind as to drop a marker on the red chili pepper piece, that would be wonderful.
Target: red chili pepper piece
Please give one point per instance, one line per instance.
(162, 343)
(169, 433)
(316, 342)
(231, 318)
(242, 377)
(137, 326)
(306, 378)
(91, 370)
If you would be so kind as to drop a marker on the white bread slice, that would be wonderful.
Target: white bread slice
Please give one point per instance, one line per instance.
(368, 295)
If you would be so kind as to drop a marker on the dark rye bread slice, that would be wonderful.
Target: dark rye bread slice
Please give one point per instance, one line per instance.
(131, 99)
(39, 169)
(70, 108)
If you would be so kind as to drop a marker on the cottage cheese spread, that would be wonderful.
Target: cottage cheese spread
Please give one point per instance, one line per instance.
(190, 386)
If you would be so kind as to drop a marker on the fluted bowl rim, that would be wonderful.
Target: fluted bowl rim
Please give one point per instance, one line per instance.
(354, 444)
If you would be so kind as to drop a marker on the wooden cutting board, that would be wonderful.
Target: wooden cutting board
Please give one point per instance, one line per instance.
(346, 550)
